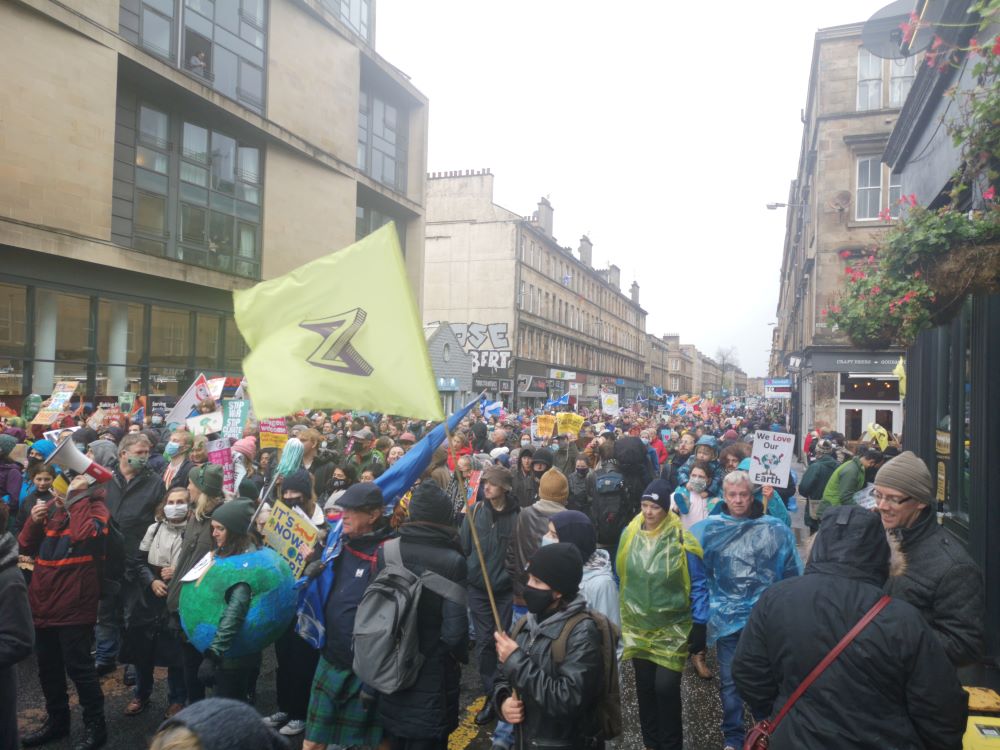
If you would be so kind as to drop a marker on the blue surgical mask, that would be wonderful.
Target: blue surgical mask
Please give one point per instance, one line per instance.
(171, 449)
(547, 540)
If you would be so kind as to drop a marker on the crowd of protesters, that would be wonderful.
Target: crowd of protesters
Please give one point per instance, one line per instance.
(642, 537)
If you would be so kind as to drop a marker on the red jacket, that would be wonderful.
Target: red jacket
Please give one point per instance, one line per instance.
(661, 451)
(465, 450)
(68, 548)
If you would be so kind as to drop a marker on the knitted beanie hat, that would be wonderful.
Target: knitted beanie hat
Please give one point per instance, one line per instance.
(553, 486)
(560, 566)
(908, 474)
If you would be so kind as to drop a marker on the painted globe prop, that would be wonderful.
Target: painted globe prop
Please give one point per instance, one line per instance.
(272, 605)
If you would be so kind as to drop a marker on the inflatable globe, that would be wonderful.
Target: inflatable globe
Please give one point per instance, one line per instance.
(272, 605)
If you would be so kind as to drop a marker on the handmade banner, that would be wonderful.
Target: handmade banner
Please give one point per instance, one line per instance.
(285, 532)
(609, 404)
(771, 460)
(273, 433)
(475, 479)
(546, 425)
(215, 386)
(235, 413)
(198, 391)
(220, 453)
(61, 394)
(205, 424)
(568, 423)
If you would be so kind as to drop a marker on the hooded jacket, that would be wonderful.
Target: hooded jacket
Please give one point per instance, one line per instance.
(817, 475)
(532, 524)
(892, 687)
(945, 586)
(496, 530)
(559, 700)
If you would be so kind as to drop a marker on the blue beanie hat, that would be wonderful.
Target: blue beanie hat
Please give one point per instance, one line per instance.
(45, 447)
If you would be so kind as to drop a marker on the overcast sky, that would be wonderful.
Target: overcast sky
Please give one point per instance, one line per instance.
(658, 129)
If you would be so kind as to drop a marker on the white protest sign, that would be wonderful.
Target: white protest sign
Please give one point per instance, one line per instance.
(771, 460)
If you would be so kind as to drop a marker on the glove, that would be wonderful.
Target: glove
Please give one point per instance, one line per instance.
(313, 569)
(697, 638)
(206, 672)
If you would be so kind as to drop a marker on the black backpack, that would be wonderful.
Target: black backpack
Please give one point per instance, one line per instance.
(610, 506)
(609, 702)
(630, 455)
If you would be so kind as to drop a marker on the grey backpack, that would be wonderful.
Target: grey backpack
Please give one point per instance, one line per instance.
(387, 654)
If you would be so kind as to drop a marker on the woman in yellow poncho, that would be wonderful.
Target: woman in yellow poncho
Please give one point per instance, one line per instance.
(664, 608)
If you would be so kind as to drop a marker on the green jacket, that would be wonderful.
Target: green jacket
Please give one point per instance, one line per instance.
(846, 479)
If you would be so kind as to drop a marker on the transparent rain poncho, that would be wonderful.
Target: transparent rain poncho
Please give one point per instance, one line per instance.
(655, 591)
(742, 558)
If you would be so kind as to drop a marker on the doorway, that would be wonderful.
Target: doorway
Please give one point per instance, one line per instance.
(855, 417)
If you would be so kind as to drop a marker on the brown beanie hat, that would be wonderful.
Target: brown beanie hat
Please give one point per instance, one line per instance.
(499, 477)
(553, 486)
(908, 474)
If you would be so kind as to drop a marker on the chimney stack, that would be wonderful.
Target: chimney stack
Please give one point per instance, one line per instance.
(615, 276)
(635, 292)
(586, 251)
(545, 216)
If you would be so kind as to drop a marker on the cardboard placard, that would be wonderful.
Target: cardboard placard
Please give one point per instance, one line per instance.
(61, 394)
(609, 404)
(205, 424)
(475, 478)
(273, 433)
(285, 531)
(771, 460)
(568, 423)
(220, 453)
(235, 413)
(546, 425)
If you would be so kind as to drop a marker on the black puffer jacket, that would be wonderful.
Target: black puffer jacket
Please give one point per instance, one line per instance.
(559, 701)
(132, 502)
(429, 708)
(892, 687)
(945, 585)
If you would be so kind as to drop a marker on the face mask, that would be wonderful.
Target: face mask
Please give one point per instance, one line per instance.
(175, 512)
(645, 441)
(32, 460)
(582, 472)
(138, 462)
(525, 443)
(171, 449)
(547, 540)
(338, 484)
(157, 420)
(698, 485)
(537, 600)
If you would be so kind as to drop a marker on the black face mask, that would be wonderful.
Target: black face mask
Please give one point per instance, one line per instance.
(338, 484)
(537, 600)
(540, 474)
(582, 472)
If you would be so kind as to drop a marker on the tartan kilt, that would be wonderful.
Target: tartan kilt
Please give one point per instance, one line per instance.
(336, 714)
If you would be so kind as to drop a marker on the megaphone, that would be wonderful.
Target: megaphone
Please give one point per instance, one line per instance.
(69, 458)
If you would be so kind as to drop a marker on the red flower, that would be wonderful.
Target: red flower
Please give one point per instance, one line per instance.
(836, 308)
(845, 254)
(996, 45)
(871, 259)
(912, 198)
(823, 312)
(876, 289)
(917, 274)
(908, 296)
(938, 41)
(885, 215)
(974, 45)
(990, 193)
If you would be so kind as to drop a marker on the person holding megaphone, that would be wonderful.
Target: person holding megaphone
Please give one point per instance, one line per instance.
(66, 535)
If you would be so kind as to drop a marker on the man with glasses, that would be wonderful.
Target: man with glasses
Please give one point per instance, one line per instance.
(941, 580)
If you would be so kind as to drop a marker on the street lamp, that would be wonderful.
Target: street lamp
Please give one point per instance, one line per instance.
(775, 206)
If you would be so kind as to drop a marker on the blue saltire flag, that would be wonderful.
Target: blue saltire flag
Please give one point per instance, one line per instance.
(670, 400)
(493, 409)
(657, 391)
(394, 483)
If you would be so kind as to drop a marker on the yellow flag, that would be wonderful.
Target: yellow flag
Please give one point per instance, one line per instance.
(340, 332)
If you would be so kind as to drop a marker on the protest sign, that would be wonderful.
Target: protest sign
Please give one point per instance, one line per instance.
(220, 453)
(609, 404)
(215, 386)
(286, 531)
(475, 478)
(235, 413)
(53, 435)
(198, 391)
(61, 394)
(771, 460)
(126, 399)
(546, 425)
(205, 424)
(273, 433)
(568, 423)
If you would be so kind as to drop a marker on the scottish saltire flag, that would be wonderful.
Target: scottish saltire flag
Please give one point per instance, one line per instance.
(492, 409)
(339, 331)
(680, 409)
(670, 401)
(657, 391)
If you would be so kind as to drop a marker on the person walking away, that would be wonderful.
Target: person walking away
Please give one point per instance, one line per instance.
(133, 495)
(17, 636)
(557, 702)
(232, 677)
(744, 553)
(940, 580)
(146, 633)
(814, 481)
(422, 716)
(342, 710)
(496, 524)
(893, 686)
(664, 606)
(67, 538)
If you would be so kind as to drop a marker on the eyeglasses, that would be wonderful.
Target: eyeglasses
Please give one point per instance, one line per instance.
(879, 498)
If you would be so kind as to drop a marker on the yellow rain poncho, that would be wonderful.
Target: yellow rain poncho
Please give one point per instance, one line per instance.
(655, 591)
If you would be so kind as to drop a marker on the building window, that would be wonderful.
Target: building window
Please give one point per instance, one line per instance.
(209, 188)
(520, 297)
(901, 75)
(355, 13)
(382, 141)
(895, 193)
(156, 27)
(369, 219)
(869, 81)
(869, 188)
